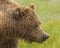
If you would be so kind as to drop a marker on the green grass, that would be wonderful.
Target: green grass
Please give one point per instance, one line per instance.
(48, 13)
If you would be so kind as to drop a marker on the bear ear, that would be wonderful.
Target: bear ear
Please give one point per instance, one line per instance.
(18, 13)
(32, 6)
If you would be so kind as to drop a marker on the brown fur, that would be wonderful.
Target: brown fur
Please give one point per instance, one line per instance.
(16, 22)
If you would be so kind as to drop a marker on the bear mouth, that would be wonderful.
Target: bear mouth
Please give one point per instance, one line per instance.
(38, 41)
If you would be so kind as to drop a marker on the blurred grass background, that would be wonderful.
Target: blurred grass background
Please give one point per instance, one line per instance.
(48, 12)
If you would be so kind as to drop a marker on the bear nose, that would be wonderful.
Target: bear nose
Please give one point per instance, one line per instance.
(45, 37)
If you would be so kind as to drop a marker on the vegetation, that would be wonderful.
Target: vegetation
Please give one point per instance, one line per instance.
(48, 12)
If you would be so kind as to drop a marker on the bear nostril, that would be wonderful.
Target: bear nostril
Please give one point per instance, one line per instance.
(45, 37)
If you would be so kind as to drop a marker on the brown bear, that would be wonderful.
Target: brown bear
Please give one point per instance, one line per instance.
(17, 22)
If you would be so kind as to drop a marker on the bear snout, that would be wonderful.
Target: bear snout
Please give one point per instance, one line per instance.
(45, 37)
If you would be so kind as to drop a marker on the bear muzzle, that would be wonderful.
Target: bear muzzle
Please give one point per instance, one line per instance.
(44, 38)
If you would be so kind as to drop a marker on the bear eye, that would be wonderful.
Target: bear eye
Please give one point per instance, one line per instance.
(35, 26)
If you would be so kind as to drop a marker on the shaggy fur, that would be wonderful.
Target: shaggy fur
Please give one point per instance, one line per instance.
(16, 22)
